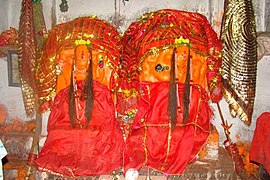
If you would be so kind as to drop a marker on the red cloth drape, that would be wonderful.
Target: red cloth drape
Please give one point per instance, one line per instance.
(260, 145)
(152, 144)
(94, 150)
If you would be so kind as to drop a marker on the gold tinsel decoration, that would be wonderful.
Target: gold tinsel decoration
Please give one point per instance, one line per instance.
(40, 27)
(239, 60)
(27, 57)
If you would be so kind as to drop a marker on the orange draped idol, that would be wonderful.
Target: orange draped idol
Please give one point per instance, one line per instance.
(78, 65)
(172, 60)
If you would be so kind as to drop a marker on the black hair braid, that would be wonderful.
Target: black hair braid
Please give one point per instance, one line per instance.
(71, 97)
(172, 105)
(186, 99)
(88, 91)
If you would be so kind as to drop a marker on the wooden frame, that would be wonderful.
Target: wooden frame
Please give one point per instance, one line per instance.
(13, 68)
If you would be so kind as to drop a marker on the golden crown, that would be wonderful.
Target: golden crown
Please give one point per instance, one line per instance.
(182, 41)
(83, 42)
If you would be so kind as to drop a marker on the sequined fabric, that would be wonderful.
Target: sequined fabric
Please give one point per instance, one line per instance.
(27, 57)
(239, 60)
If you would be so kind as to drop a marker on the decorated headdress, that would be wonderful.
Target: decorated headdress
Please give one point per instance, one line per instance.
(156, 31)
(159, 30)
(102, 36)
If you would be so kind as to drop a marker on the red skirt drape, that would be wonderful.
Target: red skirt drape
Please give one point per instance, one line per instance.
(94, 150)
(153, 143)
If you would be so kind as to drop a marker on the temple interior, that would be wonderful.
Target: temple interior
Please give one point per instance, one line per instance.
(133, 89)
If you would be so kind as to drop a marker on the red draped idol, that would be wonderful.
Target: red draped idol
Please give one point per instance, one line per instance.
(78, 65)
(163, 47)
